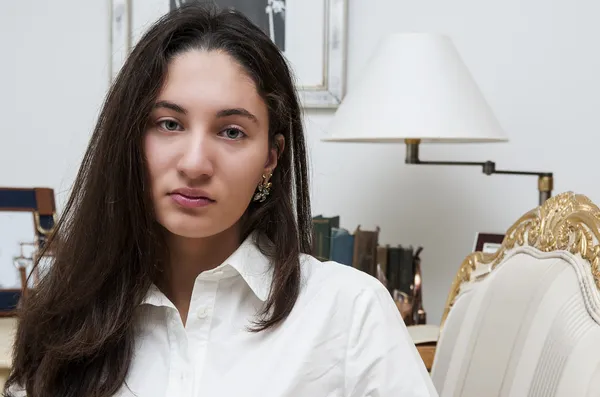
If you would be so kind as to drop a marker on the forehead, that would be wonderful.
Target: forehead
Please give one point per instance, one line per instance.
(209, 78)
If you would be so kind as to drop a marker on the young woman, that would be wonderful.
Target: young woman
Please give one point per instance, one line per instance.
(181, 258)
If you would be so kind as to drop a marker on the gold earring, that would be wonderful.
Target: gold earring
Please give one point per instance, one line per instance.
(264, 188)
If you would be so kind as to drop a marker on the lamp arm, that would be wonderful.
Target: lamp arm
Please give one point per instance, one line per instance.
(545, 179)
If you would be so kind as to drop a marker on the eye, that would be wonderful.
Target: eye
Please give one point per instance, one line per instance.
(232, 133)
(170, 125)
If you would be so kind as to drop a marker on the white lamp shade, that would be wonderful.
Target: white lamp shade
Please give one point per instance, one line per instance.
(415, 86)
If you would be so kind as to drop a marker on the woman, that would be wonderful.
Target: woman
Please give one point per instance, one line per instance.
(181, 265)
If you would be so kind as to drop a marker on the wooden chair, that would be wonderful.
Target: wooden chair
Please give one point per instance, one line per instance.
(39, 206)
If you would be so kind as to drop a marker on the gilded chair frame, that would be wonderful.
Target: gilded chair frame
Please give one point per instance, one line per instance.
(567, 222)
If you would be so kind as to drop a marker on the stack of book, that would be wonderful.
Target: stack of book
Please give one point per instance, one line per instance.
(397, 267)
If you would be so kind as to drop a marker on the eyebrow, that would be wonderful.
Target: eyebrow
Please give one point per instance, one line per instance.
(237, 112)
(221, 113)
(169, 105)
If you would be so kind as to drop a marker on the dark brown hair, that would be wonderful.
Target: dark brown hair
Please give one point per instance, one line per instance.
(76, 329)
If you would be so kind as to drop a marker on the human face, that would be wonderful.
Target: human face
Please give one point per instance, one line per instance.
(206, 145)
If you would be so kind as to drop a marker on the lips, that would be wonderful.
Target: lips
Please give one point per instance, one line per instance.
(192, 193)
(191, 198)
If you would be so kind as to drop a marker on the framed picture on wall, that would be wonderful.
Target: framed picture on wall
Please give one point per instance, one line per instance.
(311, 34)
(488, 242)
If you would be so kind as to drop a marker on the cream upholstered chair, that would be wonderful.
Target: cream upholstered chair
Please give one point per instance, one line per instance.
(525, 321)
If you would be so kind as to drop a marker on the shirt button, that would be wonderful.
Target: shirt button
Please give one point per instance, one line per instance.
(202, 312)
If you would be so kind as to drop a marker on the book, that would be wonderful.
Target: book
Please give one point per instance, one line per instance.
(401, 269)
(342, 246)
(321, 237)
(365, 250)
(382, 263)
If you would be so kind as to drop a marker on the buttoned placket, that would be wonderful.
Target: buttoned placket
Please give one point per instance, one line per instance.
(199, 323)
(180, 381)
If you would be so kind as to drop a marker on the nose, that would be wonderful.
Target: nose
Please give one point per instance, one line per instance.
(196, 157)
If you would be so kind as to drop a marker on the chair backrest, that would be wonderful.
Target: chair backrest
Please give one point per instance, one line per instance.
(525, 321)
(27, 219)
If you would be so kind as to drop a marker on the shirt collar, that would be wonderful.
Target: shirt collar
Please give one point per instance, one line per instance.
(247, 261)
(254, 267)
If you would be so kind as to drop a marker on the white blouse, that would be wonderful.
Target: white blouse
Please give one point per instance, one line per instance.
(344, 338)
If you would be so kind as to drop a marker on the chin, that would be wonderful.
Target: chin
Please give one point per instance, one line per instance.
(191, 230)
(193, 227)
(191, 234)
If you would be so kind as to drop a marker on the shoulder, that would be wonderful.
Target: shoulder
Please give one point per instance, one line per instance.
(379, 356)
(336, 275)
(342, 284)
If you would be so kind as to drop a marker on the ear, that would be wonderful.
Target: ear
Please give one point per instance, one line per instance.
(274, 153)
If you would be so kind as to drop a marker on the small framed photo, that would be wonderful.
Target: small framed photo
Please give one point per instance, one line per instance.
(488, 242)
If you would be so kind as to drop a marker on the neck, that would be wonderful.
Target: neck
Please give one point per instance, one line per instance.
(188, 258)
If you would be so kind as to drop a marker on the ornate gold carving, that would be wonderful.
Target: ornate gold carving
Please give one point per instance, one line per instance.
(567, 222)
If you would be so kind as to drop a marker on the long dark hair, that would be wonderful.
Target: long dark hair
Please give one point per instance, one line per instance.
(76, 329)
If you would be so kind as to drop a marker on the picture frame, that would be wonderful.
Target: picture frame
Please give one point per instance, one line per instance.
(27, 218)
(317, 55)
(488, 242)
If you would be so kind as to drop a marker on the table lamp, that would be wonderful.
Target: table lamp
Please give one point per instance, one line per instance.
(416, 89)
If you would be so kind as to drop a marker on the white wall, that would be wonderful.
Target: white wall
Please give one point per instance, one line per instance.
(535, 61)
(53, 75)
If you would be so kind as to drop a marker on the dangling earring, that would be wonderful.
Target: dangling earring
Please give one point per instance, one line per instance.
(264, 188)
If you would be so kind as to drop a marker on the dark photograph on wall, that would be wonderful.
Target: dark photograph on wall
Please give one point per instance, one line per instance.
(269, 15)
